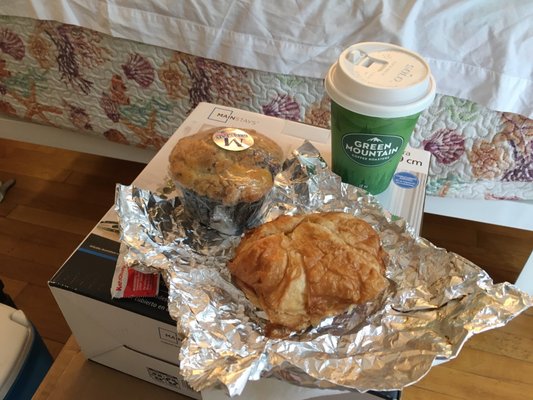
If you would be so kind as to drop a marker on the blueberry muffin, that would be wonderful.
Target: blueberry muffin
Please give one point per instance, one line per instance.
(224, 175)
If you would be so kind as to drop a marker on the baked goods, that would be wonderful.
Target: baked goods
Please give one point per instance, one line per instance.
(224, 174)
(301, 269)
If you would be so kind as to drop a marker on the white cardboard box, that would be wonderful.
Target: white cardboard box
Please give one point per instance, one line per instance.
(137, 336)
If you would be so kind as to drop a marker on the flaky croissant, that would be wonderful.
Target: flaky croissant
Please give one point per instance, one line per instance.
(301, 269)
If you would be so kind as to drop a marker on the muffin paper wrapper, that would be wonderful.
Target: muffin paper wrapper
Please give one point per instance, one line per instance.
(435, 302)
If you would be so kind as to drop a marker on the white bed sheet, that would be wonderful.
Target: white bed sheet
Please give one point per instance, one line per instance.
(478, 50)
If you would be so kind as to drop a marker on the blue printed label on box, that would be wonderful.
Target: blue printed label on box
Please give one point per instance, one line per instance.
(405, 180)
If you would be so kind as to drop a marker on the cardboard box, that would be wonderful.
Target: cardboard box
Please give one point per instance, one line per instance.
(137, 336)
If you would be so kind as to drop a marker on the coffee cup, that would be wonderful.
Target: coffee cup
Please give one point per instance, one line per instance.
(377, 92)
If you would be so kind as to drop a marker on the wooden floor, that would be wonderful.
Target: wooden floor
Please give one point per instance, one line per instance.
(60, 195)
(58, 198)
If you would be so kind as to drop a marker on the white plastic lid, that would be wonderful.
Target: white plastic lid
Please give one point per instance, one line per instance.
(16, 337)
(381, 80)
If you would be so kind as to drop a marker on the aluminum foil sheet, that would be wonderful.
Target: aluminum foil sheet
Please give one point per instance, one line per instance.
(435, 302)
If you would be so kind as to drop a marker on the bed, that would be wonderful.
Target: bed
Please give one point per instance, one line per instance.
(129, 71)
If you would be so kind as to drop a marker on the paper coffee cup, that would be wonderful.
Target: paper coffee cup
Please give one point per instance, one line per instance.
(378, 91)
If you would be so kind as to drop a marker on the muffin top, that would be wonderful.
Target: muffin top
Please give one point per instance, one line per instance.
(226, 164)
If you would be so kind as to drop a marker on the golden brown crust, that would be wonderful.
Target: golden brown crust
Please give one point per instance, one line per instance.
(230, 177)
(304, 268)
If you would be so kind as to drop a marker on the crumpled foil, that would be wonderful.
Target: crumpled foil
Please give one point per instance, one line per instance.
(436, 299)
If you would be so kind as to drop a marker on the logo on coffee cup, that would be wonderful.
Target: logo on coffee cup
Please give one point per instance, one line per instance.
(371, 150)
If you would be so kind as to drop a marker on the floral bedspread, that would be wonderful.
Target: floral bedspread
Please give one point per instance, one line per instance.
(137, 94)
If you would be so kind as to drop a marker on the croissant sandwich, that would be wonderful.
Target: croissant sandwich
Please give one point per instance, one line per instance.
(301, 269)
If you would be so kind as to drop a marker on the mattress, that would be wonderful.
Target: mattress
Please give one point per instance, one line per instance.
(131, 71)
